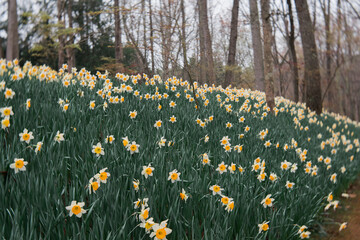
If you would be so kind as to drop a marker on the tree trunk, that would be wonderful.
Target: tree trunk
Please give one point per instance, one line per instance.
(183, 39)
(268, 65)
(1, 48)
(293, 57)
(118, 47)
(61, 55)
(144, 27)
(257, 46)
(164, 28)
(202, 77)
(151, 38)
(229, 74)
(326, 12)
(338, 42)
(206, 56)
(12, 46)
(312, 71)
(70, 50)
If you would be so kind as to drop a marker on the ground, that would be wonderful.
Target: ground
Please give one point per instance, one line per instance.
(348, 211)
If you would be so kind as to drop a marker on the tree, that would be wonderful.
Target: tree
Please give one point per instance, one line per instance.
(268, 64)
(61, 56)
(118, 47)
(293, 57)
(12, 48)
(183, 37)
(206, 55)
(325, 7)
(257, 46)
(151, 38)
(312, 71)
(70, 49)
(229, 74)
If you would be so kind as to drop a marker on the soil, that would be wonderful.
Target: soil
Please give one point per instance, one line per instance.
(348, 211)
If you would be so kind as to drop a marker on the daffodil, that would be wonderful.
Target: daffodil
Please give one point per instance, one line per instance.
(227, 148)
(65, 107)
(174, 176)
(333, 178)
(93, 185)
(216, 189)
(305, 234)
(261, 177)
(232, 168)
(28, 104)
(19, 165)
(109, 139)
(230, 206)
(26, 136)
(160, 231)
(172, 119)
(147, 225)
(6, 112)
(183, 195)
(267, 201)
(263, 227)
(147, 171)
(9, 93)
(133, 114)
(5, 123)
(302, 228)
(285, 165)
(289, 185)
(222, 167)
(125, 141)
(59, 137)
(144, 214)
(92, 105)
(38, 147)
(158, 124)
(136, 184)
(293, 167)
(342, 226)
(162, 142)
(225, 141)
(76, 208)
(102, 176)
(98, 150)
(225, 200)
(172, 104)
(133, 147)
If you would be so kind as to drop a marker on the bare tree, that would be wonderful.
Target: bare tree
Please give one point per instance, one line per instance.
(118, 47)
(183, 37)
(229, 74)
(61, 55)
(151, 38)
(1, 48)
(12, 46)
(293, 57)
(70, 50)
(206, 55)
(312, 71)
(257, 46)
(325, 7)
(268, 62)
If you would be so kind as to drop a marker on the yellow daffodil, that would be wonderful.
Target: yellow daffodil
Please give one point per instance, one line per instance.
(19, 165)
(76, 208)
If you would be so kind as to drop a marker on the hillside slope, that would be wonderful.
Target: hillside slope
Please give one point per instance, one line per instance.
(134, 148)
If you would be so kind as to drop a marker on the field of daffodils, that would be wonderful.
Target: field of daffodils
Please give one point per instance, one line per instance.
(91, 156)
